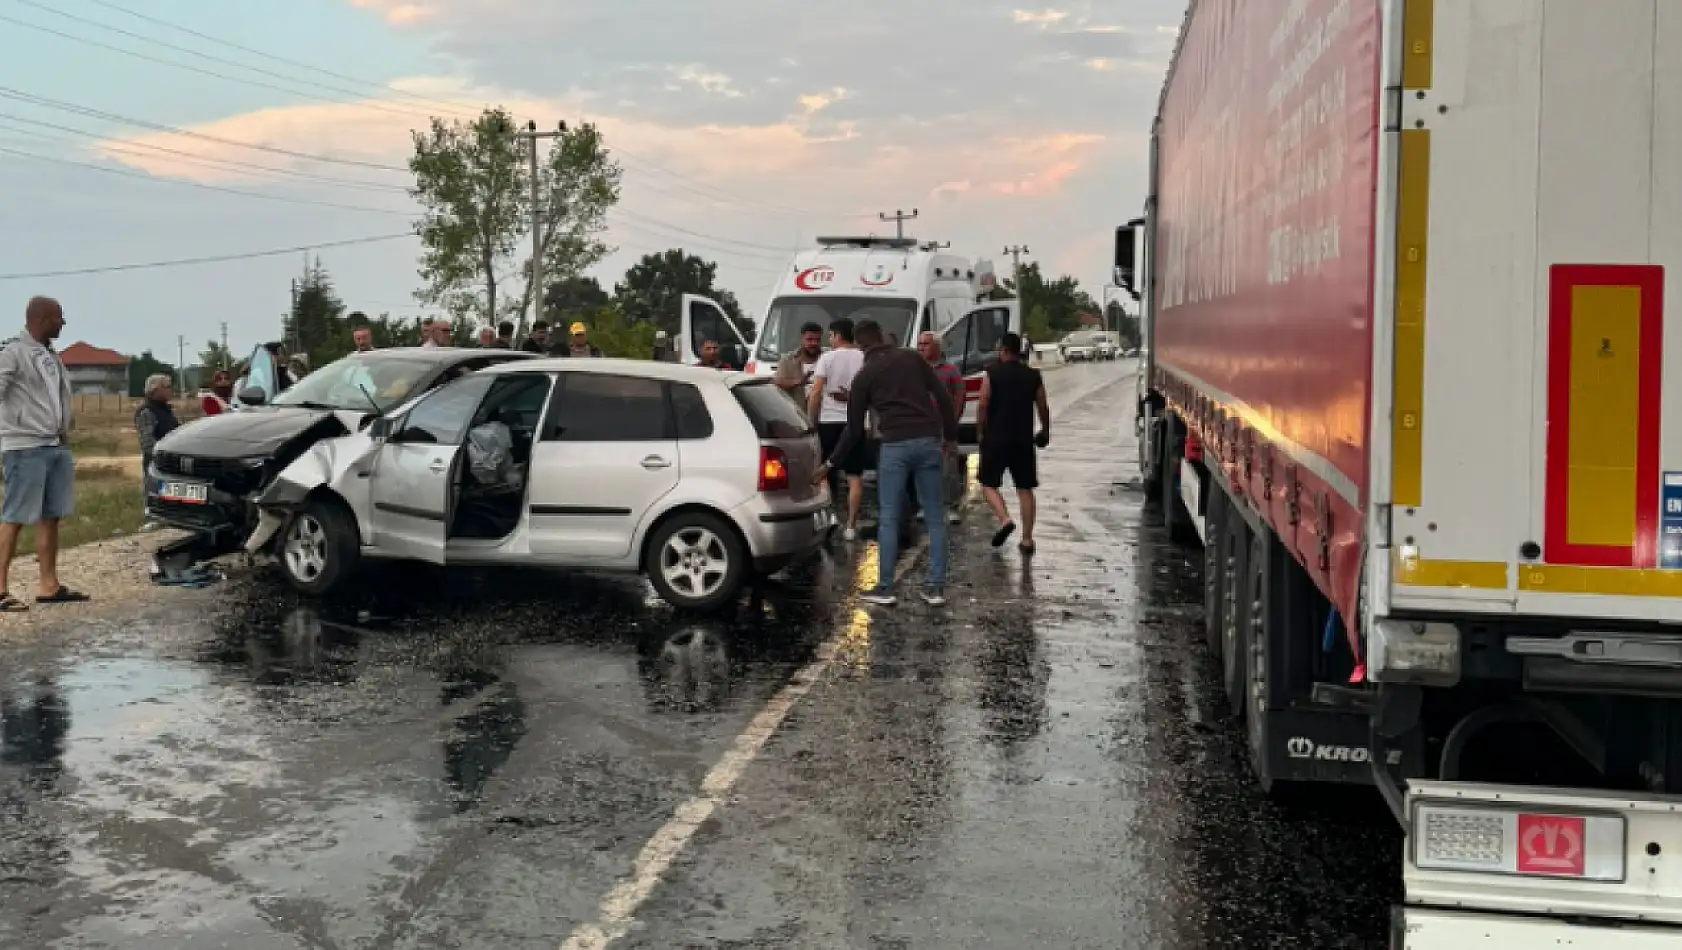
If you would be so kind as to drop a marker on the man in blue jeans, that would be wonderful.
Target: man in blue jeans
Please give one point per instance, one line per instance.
(915, 418)
(40, 478)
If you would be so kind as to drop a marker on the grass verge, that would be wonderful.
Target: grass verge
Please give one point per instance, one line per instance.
(105, 508)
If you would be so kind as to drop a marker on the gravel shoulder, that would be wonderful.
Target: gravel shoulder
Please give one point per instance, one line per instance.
(115, 573)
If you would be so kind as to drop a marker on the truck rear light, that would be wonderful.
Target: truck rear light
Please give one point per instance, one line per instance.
(1414, 652)
(1492, 840)
(773, 469)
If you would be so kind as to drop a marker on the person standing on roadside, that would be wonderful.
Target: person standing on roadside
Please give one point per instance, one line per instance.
(154, 419)
(579, 344)
(953, 471)
(363, 339)
(215, 400)
(796, 369)
(826, 403)
(35, 462)
(1011, 393)
(537, 341)
(486, 338)
(505, 334)
(914, 417)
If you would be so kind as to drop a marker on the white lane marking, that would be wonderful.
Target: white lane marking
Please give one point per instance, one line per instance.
(618, 909)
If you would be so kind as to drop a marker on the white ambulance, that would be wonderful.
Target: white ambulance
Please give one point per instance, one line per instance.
(905, 286)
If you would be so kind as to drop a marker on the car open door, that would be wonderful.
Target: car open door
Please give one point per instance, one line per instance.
(971, 344)
(412, 492)
(702, 320)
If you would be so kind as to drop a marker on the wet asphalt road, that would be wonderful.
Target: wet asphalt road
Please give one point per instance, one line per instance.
(454, 760)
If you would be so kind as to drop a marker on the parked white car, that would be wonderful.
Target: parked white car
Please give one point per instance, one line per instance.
(1077, 346)
(698, 478)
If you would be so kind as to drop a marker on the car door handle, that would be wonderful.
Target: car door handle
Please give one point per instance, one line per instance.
(438, 466)
(654, 462)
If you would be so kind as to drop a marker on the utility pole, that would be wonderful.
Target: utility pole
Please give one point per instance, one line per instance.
(225, 354)
(180, 365)
(1016, 251)
(899, 218)
(535, 292)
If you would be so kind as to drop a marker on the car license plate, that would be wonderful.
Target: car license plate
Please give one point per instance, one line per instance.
(192, 493)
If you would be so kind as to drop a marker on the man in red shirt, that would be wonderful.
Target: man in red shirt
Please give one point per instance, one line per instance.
(954, 471)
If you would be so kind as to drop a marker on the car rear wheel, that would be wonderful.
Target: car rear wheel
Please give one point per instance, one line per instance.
(320, 547)
(696, 562)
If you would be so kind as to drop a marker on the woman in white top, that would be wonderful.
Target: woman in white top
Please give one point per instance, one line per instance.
(826, 402)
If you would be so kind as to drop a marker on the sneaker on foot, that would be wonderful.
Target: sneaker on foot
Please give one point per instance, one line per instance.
(934, 596)
(881, 598)
(851, 534)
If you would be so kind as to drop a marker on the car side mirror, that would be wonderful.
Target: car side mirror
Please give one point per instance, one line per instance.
(382, 429)
(253, 396)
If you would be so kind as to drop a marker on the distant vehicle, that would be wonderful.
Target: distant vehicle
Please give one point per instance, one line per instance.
(1078, 346)
(699, 479)
(206, 475)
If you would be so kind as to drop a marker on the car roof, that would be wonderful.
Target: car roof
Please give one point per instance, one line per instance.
(440, 354)
(648, 369)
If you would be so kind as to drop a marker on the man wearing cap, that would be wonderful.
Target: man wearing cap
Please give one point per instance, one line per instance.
(579, 345)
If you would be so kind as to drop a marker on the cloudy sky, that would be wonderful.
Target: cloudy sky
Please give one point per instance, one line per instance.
(745, 127)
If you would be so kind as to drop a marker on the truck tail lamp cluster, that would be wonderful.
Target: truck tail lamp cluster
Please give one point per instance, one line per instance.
(1493, 840)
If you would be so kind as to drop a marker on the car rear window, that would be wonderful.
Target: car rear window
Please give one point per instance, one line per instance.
(774, 415)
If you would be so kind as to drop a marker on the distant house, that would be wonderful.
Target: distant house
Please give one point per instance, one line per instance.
(95, 371)
(1091, 320)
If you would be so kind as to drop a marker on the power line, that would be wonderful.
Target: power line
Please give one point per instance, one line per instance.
(126, 147)
(89, 41)
(53, 159)
(19, 95)
(213, 259)
(447, 106)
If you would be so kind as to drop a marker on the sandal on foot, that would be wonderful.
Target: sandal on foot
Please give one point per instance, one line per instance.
(63, 595)
(10, 604)
(1003, 534)
(1026, 547)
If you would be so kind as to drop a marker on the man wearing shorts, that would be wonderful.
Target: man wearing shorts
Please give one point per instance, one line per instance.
(832, 385)
(40, 478)
(1011, 393)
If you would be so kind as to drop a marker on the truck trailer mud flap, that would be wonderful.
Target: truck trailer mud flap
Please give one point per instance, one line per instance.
(1327, 746)
(1419, 928)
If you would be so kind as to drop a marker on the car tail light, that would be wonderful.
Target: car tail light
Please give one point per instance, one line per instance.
(1506, 841)
(752, 365)
(773, 469)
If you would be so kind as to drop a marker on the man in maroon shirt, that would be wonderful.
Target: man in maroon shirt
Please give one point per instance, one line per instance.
(955, 470)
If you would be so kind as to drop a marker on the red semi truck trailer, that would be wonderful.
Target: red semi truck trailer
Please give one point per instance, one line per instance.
(1411, 381)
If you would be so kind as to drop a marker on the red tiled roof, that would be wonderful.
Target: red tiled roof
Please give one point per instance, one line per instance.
(1090, 320)
(84, 354)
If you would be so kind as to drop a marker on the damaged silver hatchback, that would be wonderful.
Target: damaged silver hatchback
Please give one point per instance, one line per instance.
(698, 478)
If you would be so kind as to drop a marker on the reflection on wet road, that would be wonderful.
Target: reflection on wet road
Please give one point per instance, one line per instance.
(466, 760)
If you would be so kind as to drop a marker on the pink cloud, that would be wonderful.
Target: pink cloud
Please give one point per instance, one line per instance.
(399, 12)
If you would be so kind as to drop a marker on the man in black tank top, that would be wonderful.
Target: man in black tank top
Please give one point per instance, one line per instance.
(1011, 393)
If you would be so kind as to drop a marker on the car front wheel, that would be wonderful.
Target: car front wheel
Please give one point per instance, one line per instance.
(320, 547)
(696, 562)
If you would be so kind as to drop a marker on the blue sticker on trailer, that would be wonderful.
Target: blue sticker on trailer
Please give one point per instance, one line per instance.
(1670, 522)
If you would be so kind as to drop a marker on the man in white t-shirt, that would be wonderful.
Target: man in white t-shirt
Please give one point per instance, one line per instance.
(826, 403)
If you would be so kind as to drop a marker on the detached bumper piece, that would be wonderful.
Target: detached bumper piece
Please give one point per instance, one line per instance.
(177, 564)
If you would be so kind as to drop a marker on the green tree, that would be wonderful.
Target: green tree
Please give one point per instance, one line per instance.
(1063, 299)
(1036, 324)
(472, 182)
(652, 289)
(316, 325)
(573, 298)
(618, 336)
(215, 356)
(142, 366)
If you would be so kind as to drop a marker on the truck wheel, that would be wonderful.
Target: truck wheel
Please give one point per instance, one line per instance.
(1150, 466)
(1235, 614)
(319, 547)
(1214, 569)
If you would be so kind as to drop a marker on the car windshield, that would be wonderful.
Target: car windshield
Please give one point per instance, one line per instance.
(781, 333)
(352, 382)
